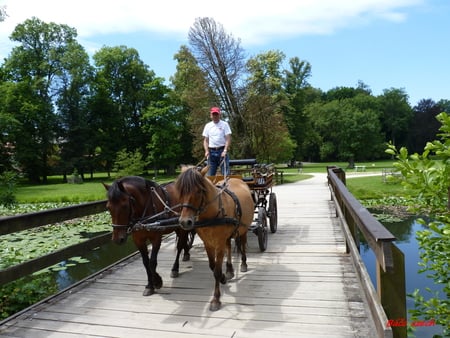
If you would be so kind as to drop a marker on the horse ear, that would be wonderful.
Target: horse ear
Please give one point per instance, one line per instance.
(184, 167)
(120, 185)
(204, 170)
(106, 186)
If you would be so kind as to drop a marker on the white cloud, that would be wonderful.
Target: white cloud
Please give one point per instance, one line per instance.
(254, 21)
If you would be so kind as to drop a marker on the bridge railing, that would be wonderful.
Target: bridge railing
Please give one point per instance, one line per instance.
(388, 301)
(18, 223)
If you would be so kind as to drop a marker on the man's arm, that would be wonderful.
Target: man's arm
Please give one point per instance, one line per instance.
(227, 144)
(206, 146)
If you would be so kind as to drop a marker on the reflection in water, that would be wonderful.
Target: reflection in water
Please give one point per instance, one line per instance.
(98, 259)
(406, 241)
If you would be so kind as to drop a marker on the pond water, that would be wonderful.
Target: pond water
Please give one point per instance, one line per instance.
(97, 260)
(406, 241)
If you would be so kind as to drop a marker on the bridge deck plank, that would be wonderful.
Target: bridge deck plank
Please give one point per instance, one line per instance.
(303, 285)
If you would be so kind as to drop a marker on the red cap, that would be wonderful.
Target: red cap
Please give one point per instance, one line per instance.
(215, 110)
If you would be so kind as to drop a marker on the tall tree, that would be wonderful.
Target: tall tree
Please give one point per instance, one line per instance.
(424, 125)
(297, 90)
(121, 94)
(265, 100)
(166, 129)
(347, 129)
(397, 115)
(222, 59)
(193, 94)
(36, 65)
(76, 128)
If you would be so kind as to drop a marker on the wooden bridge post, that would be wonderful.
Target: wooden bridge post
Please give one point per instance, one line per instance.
(391, 289)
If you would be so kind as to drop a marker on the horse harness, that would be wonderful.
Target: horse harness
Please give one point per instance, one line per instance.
(221, 218)
(136, 224)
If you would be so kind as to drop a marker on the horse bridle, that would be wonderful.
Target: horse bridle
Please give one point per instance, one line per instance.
(131, 200)
(203, 205)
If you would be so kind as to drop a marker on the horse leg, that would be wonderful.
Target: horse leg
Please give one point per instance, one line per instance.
(230, 271)
(243, 250)
(188, 245)
(219, 277)
(157, 280)
(149, 289)
(181, 239)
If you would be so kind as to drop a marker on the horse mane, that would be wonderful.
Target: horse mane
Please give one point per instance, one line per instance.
(116, 190)
(189, 180)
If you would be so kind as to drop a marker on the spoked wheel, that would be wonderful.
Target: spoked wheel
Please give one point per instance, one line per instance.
(273, 214)
(262, 229)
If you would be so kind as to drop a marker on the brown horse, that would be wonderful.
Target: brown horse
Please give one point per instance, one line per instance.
(218, 213)
(133, 201)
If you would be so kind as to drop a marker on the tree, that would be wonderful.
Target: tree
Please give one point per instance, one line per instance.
(429, 174)
(36, 66)
(348, 129)
(192, 93)
(222, 60)
(424, 125)
(76, 129)
(122, 91)
(166, 130)
(265, 100)
(297, 89)
(3, 13)
(397, 115)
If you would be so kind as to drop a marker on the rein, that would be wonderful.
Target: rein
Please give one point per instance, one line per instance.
(216, 220)
(136, 224)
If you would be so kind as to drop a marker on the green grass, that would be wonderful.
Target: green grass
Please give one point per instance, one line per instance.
(92, 189)
(373, 187)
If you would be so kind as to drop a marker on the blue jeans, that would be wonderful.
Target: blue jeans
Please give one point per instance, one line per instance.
(214, 161)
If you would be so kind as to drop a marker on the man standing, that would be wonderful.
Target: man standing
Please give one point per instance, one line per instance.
(217, 139)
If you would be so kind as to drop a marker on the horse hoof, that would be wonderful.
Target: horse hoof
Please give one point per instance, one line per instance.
(223, 280)
(214, 306)
(229, 275)
(148, 292)
(174, 274)
(186, 257)
(157, 282)
(244, 268)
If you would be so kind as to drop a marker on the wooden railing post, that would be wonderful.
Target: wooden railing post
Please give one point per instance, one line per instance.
(391, 289)
(355, 220)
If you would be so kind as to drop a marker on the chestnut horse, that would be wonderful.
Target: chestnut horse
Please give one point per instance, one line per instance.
(217, 213)
(133, 201)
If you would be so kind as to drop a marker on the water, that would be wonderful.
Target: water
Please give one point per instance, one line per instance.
(97, 260)
(406, 241)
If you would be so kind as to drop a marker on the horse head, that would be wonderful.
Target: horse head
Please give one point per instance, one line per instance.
(192, 187)
(126, 202)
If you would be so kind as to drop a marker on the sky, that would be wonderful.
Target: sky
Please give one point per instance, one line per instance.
(402, 44)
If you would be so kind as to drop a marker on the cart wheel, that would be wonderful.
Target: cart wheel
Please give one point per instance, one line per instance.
(262, 229)
(273, 215)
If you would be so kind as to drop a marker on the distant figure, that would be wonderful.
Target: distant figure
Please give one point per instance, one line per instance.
(217, 139)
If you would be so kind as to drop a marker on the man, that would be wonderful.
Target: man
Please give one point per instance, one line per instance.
(217, 139)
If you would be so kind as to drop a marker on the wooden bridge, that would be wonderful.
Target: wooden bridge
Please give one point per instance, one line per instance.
(304, 285)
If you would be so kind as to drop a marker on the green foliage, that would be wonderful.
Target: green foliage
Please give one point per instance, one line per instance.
(24, 292)
(8, 181)
(129, 163)
(431, 178)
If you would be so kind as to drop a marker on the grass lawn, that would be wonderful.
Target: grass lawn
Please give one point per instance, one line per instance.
(93, 190)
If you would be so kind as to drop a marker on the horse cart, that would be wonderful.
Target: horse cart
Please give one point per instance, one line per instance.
(260, 180)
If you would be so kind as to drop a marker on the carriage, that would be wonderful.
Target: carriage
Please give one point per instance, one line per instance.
(260, 180)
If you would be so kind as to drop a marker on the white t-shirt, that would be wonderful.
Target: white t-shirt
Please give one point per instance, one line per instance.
(215, 132)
